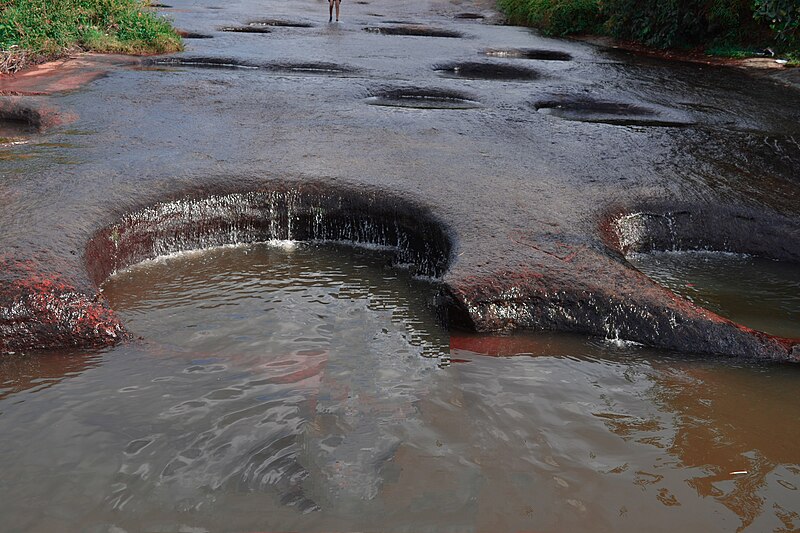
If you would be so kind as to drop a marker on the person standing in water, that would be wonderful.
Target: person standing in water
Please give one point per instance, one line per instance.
(337, 2)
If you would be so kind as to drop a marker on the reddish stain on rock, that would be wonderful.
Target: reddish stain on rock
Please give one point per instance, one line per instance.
(40, 311)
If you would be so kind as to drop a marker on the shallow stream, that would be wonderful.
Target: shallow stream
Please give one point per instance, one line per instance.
(311, 388)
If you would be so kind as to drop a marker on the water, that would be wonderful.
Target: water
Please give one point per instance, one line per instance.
(760, 293)
(311, 388)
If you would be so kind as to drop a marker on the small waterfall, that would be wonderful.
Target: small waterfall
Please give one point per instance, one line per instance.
(312, 213)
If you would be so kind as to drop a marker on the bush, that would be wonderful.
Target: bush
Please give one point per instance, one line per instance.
(678, 23)
(783, 16)
(554, 17)
(719, 24)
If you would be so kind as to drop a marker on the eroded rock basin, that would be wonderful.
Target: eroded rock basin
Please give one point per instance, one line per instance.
(423, 98)
(311, 387)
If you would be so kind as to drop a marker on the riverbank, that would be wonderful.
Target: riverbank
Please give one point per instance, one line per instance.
(33, 31)
(725, 31)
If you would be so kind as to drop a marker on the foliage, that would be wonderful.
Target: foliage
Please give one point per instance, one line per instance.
(724, 24)
(554, 17)
(783, 16)
(47, 27)
(677, 23)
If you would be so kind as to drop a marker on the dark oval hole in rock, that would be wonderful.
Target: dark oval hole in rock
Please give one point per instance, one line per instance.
(423, 99)
(280, 23)
(194, 35)
(469, 16)
(201, 62)
(609, 112)
(12, 128)
(245, 29)
(486, 71)
(528, 53)
(310, 68)
(414, 30)
(18, 120)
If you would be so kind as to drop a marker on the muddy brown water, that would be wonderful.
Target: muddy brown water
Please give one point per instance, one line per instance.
(311, 388)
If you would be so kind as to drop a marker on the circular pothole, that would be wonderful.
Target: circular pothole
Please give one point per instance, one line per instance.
(18, 122)
(280, 23)
(486, 71)
(414, 30)
(13, 128)
(310, 68)
(201, 62)
(609, 112)
(245, 29)
(528, 53)
(194, 35)
(230, 63)
(423, 98)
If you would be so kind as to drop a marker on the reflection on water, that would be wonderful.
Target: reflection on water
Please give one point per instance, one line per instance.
(34, 372)
(760, 293)
(301, 390)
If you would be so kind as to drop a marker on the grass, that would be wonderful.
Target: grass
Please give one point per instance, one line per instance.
(733, 51)
(32, 30)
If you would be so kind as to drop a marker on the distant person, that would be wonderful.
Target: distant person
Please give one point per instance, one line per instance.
(337, 2)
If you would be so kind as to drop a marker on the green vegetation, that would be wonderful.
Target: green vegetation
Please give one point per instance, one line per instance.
(34, 29)
(732, 27)
(554, 17)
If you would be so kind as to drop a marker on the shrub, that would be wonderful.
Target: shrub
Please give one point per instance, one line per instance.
(678, 23)
(783, 16)
(554, 17)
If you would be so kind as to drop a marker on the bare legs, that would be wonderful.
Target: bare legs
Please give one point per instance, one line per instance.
(331, 2)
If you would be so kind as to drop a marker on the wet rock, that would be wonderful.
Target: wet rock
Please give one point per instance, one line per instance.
(311, 212)
(41, 310)
(657, 227)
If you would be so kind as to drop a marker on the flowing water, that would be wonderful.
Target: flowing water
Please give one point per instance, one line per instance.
(760, 293)
(311, 388)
